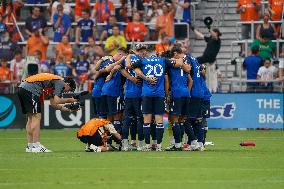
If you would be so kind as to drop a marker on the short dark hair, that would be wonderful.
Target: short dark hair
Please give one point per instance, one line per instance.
(151, 48)
(176, 49)
(18, 51)
(255, 49)
(216, 30)
(71, 83)
(86, 10)
(123, 49)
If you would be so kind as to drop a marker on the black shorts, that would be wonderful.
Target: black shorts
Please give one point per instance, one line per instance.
(30, 103)
(195, 108)
(133, 107)
(113, 104)
(206, 109)
(100, 106)
(96, 139)
(153, 105)
(180, 106)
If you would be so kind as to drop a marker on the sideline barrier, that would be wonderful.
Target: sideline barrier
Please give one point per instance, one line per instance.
(236, 110)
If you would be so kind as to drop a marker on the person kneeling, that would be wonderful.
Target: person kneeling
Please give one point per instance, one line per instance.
(96, 133)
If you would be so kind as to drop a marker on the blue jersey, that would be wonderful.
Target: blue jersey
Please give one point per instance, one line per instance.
(113, 86)
(62, 70)
(197, 89)
(252, 64)
(132, 90)
(62, 28)
(179, 83)
(97, 89)
(154, 66)
(81, 67)
(207, 93)
(86, 26)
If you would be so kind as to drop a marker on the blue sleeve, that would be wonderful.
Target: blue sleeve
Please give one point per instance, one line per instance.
(123, 64)
(169, 63)
(136, 64)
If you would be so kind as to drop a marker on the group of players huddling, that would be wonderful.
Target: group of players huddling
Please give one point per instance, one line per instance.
(133, 90)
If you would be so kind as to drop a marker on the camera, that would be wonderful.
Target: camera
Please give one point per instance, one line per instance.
(78, 104)
(208, 21)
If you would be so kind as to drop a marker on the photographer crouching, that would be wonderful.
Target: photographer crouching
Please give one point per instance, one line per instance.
(35, 88)
(211, 51)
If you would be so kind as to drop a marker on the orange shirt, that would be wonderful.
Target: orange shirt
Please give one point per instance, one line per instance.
(80, 5)
(34, 43)
(136, 31)
(162, 47)
(250, 13)
(167, 24)
(100, 9)
(4, 74)
(276, 6)
(66, 50)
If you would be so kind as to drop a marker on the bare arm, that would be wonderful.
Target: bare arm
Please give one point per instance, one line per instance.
(77, 35)
(198, 34)
(190, 81)
(57, 100)
(167, 85)
(128, 76)
(139, 72)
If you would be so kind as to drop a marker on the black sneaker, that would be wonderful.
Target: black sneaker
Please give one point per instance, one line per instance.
(174, 149)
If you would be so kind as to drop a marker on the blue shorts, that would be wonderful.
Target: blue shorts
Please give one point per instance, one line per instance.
(206, 109)
(195, 108)
(133, 107)
(113, 104)
(180, 106)
(100, 106)
(153, 105)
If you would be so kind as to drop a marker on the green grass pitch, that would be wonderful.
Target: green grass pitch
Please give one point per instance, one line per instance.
(223, 166)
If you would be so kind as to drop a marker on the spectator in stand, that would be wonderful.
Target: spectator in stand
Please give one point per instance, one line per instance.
(61, 68)
(3, 27)
(93, 51)
(136, 30)
(265, 73)
(66, 9)
(79, 6)
(17, 66)
(266, 46)
(266, 28)
(81, 69)
(85, 27)
(38, 41)
(44, 66)
(275, 8)
(252, 64)
(281, 70)
(182, 15)
(164, 45)
(4, 76)
(64, 48)
(129, 8)
(34, 22)
(153, 12)
(8, 11)
(165, 22)
(114, 42)
(61, 24)
(249, 11)
(7, 47)
(102, 10)
(107, 32)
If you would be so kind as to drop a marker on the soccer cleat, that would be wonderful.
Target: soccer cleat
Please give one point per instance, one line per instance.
(28, 149)
(40, 149)
(147, 148)
(170, 146)
(94, 148)
(87, 148)
(174, 149)
(154, 147)
(186, 147)
(124, 148)
(201, 146)
(132, 147)
(194, 145)
(159, 149)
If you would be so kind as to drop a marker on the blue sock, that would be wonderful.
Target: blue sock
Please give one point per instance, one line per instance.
(199, 131)
(189, 131)
(176, 132)
(181, 131)
(140, 128)
(125, 128)
(133, 128)
(153, 131)
(147, 132)
(159, 132)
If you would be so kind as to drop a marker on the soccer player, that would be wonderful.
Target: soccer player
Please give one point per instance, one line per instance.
(205, 102)
(180, 97)
(111, 90)
(29, 94)
(95, 133)
(133, 89)
(152, 70)
(193, 124)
